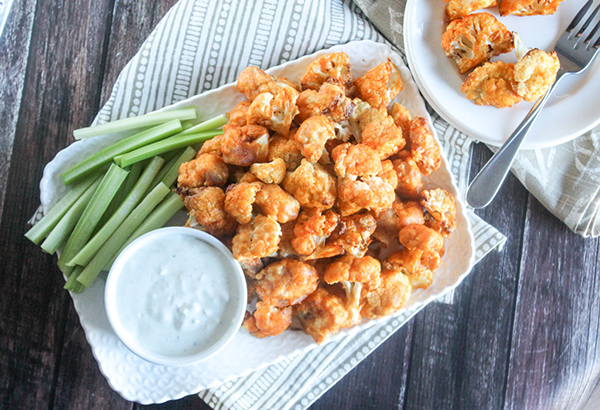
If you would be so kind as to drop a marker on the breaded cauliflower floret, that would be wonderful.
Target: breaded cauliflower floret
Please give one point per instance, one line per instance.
(331, 68)
(354, 274)
(286, 282)
(423, 147)
(257, 239)
(409, 175)
(355, 160)
(312, 135)
(312, 229)
(462, 8)
(377, 130)
(277, 204)
(270, 172)
(237, 116)
(246, 145)
(380, 85)
(389, 297)
(330, 101)
(401, 116)
(285, 148)
(416, 264)
(388, 173)
(371, 193)
(528, 7)
(353, 234)
(267, 320)
(239, 200)
(206, 206)
(476, 38)
(253, 81)
(312, 186)
(492, 84)
(440, 205)
(535, 73)
(213, 145)
(205, 170)
(393, 219)
(323, 313)
(274, 111)
(421, 237)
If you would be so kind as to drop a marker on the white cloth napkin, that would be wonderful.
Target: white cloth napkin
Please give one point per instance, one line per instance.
(564, 178)
(200, 45)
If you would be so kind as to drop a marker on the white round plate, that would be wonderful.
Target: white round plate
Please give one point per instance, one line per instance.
(573, 108)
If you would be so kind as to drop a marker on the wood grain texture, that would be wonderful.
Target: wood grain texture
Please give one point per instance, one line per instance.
(523, 331)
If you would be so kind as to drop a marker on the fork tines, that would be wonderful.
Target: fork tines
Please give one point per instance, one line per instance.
(577, 30)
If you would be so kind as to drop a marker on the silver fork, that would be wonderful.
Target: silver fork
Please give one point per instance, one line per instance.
(576, 48)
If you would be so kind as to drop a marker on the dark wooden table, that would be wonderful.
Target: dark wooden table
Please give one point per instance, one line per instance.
(523, 332)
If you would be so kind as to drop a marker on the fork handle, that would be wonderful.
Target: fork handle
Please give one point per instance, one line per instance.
(487, 183)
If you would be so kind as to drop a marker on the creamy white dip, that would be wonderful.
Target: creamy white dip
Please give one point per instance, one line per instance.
(173, 296)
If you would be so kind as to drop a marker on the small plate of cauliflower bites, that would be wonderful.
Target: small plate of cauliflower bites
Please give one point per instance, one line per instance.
(482, 64)
(320, 187)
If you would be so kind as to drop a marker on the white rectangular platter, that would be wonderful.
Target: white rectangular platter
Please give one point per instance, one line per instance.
(138, 380)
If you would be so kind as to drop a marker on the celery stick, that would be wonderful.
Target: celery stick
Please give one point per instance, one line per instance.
(207, 125)
(163, 171)
(168, 144)
(133, 199)
(93, 212)
(128, 144)
(171, 175)
(72, 279)
(62, 229)
(126, 187)
(118, 238)
(157, 219)
(51, 219)
(144, 121)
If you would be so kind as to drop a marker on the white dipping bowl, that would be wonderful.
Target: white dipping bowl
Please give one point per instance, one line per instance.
(237, 289)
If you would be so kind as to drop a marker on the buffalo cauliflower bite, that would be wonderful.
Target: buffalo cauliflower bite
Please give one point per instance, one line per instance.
(257, 239)
(253, 81)
(239, 200)
(246, 145)
(387, 298)
(476, 38)
(286, 282)
(312, 229)
(388, 173)
(421, 237)
(312, 135)
(270, 172)
(355, 160)
(212, 145)
(353, 234)
(492, 84)
(322, 314)
(393, 219)
(274, 111)
(205, 205)
(353, 274)
(409, 175)
(535, 73)
(312, 186)
(371, 193)
(416, 264)
(330, 101)
(277, 204)
(286, 250)
(267, 320)
(528, 7)
(287, 149)
(251, 267)
(331, 68)
(462, 8)
(380, 85)
(440, 205)
(204, 170)
(377, 130)
(237, 116)
(402, 117)
(423, 148)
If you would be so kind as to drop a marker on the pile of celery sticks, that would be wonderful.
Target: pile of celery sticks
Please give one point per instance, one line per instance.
(120, 192)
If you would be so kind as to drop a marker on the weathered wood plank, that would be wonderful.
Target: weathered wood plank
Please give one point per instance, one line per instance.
(187, 403)
(460, 351)
(377, 382)
(14, 50)
(555, 349)
(62, 63)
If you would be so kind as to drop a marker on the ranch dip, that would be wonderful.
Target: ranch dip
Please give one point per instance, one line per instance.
(173, 296)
